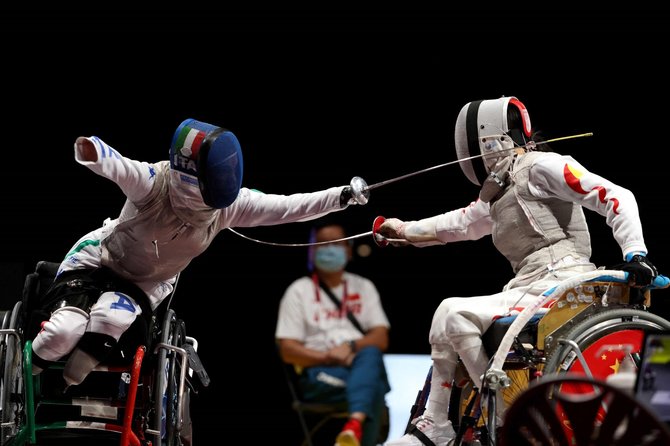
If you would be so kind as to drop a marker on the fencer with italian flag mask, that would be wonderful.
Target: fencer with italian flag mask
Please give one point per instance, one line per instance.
(206, 165)
(173, 211)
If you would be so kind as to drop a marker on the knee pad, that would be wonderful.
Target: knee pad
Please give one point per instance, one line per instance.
(113, 314)
(136, 335)
(98, 345)
(60, 333)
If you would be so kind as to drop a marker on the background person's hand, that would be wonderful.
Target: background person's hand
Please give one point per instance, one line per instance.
(341, 354)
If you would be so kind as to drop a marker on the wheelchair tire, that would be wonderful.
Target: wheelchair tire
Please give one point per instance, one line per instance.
(12, 375)
(601, 329)
(166, 390)
(172, 416)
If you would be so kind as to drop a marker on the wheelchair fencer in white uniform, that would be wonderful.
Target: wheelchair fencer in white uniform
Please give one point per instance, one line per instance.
(115, 277)
(531, 203)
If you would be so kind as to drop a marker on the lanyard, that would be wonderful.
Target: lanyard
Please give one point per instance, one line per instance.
(317, 292)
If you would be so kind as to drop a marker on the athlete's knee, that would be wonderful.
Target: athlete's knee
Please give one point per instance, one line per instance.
(462, 323)
(113, 314)
(370, 352)
(442, 351)
(60, 333)
(461, 342)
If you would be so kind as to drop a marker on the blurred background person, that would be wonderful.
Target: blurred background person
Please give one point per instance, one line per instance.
(332, 327)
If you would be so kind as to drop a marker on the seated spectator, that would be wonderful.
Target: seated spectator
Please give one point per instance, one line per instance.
(332, 327)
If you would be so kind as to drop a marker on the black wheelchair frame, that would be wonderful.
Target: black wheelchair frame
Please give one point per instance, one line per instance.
(143, 402)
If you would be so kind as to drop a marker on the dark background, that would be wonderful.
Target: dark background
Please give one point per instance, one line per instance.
(314, 100)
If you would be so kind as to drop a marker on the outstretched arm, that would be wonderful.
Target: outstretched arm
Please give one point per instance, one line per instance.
(135, 178)
(469, 223)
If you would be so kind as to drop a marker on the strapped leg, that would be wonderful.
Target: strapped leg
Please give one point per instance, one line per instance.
(111, 316)
(58, 337)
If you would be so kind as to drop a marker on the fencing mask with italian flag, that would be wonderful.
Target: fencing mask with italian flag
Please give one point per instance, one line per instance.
(210, 158)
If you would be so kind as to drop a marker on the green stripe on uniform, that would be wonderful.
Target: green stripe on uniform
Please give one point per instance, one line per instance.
(81, 246)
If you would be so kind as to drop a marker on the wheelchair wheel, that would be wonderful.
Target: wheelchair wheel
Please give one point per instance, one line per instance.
(622, 420)
(12, 375)
(173, 387)
(167, 386)
(612, 327)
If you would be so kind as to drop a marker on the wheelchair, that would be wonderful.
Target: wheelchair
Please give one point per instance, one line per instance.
(139, 399)
(585, 326)
(533, 418)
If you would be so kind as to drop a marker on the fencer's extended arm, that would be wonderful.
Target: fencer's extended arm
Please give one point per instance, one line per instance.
(254, 208)
(135, 178)
(469, 223)
(417, 233)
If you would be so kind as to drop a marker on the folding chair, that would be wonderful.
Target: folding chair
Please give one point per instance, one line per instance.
(313, 416)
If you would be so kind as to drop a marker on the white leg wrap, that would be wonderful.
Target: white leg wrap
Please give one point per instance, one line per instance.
(60, 333)
(78, 366)
(440, 388)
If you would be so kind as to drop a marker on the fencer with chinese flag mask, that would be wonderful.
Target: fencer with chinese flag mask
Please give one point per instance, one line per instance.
(531, 204)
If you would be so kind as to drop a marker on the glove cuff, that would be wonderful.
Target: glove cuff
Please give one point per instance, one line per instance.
(631, 255)
(345, 196)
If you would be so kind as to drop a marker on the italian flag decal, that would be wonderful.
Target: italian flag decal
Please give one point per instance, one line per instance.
(189, 141)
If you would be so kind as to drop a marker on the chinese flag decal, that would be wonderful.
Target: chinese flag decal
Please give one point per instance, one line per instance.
(572, 176)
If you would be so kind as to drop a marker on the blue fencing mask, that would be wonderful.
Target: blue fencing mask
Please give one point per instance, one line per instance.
(210, 158)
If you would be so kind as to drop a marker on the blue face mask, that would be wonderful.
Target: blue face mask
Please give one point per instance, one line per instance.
(330, 258)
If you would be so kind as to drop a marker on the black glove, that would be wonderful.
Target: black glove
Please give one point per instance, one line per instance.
(356, 192)
(346, 198)
(640, 270)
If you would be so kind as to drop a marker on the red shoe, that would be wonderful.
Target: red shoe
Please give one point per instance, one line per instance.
(351, 434)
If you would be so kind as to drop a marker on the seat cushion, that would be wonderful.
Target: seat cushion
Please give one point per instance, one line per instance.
(495, 333)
